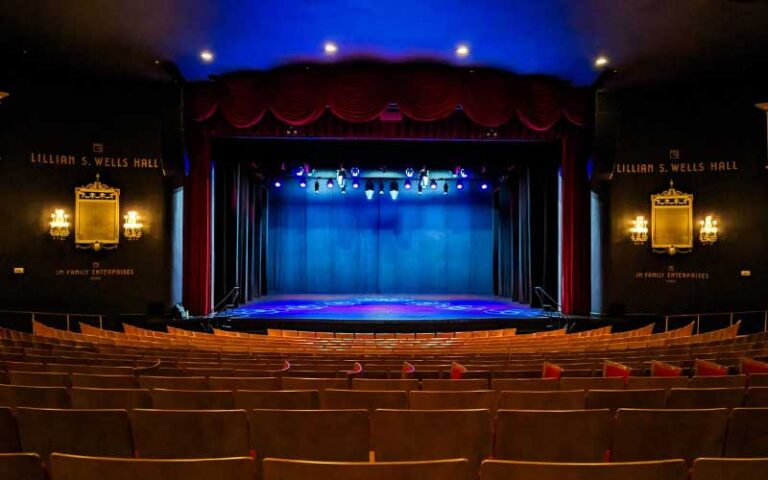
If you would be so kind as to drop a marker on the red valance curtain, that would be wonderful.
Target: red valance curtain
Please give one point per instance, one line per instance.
(436, 101)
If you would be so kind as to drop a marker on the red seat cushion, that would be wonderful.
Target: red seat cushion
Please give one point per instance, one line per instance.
(551, 370)
(615, 369)
(750, 366)
(705, 368)
(457, 370)
(663, 369)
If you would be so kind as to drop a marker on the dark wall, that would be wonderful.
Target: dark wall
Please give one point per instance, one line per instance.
(721, 139)
(131, 121)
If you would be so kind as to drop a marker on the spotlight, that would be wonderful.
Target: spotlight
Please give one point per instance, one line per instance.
(303, 183)
(355, 183)
(433, 184)
(445, 188)
(329, 184)
(424, 177)
(463, 173)
(484, 186)
(330, 48)
(369, 190)
(407, 184)
(393, 190)
(381, 188)
(344, 190)
(300, 171)
(206, 56)
(421, 189)
(354, 171)
(341, 177)
(409, 172)
(459, 185)
(601, 61)
(317, 187)
(462, 50)
(278, 184)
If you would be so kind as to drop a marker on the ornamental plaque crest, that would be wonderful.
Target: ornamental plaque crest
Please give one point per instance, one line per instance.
(97, 216)
(672, 221)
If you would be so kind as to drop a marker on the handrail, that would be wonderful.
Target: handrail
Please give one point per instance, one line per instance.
(543, 295)
(234, 293)
(66, 315)
(731, 316)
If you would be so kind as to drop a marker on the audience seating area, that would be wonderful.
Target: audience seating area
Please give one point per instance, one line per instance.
(176, 404)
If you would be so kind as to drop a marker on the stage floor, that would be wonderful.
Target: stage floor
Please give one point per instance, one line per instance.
(389, 308)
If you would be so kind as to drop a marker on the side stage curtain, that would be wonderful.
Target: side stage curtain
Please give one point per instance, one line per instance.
(576, 246)
(525, 234)
(239, 231)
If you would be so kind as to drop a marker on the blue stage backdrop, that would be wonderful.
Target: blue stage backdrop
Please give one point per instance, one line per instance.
(417, 244)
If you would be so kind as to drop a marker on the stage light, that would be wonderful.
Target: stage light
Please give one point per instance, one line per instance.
(278, 184)
(329, 184)
(381, 188)
(317, 187)
(433, 184)
(424, 178)
(341, 177)
(459, 185)
(206, 56)
(299, 171)
(355, 183)
(344, 190)
(393, 190)
(463, 173)
(445, 188)
(409, 172)
(421, 189)
(369, 190)
(484, 186)
(330, 48)
(303, 183)
(354, 171)
(601, 61)
(462, 50)
(407, 184)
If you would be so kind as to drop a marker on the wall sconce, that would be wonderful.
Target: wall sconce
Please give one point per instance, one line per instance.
(639, 231)
(708, 230)
(132, 226)
(59, 225)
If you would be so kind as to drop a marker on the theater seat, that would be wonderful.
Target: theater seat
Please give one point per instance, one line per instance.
(756, 397)
(278, 469)
(512, 470)
(651, 383)
(35, 397)
(39, 379)
(446, 384)
(405, 384)
(730, 469)
(718, 381)
(406, 435)
(615, 399)
(554, 435)
(9, 438)
(243, 383)
(558, 400)
(454, 400)
(107, 398)
(747, 433)
(296, 383)
(71, 467)
(525, 384)
(641, 435)
(279, 400)
(104, 433)
(332, 435)
(592, 383)
(190, 434)
(192, 399)
(21, 466)
(362, 399)
(687, 398)
(173, 383)
(103, 381)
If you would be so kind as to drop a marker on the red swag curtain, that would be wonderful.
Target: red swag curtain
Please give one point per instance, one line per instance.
(264, 103)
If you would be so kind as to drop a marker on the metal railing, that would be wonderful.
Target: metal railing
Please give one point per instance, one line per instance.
(732, 316)
(33, 316)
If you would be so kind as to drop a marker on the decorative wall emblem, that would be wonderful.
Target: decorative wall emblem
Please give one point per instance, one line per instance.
(97, 216)
(672, 221)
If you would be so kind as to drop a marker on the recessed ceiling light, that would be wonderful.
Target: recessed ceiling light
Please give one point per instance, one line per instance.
(601, 61)
(330, 48)
(206, 56)
(462, 50)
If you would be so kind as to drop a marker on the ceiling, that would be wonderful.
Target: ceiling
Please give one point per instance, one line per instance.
(646, 40)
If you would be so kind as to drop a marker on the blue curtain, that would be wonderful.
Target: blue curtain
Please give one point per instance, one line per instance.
(417, 244)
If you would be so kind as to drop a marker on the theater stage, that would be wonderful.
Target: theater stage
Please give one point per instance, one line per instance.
(371, 313)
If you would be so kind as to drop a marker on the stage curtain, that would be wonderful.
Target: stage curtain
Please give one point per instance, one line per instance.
(196, 290)
(298, 96)
(428, 94)
(575, 291)
(490, 98)
(359, 94)
(243, 99)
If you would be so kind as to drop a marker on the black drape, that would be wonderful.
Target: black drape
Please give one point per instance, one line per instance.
(239, 231)
(525, 234)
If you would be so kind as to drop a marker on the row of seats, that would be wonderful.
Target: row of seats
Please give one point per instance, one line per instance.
(58, 379)
(391, 435)
(71, 467)
(160, 398)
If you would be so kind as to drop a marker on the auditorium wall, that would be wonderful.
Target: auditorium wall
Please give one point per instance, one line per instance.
(711, 141)
(59, 135)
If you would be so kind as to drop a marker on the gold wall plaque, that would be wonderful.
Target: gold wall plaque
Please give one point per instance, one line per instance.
(672, 221)
(97, 216)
